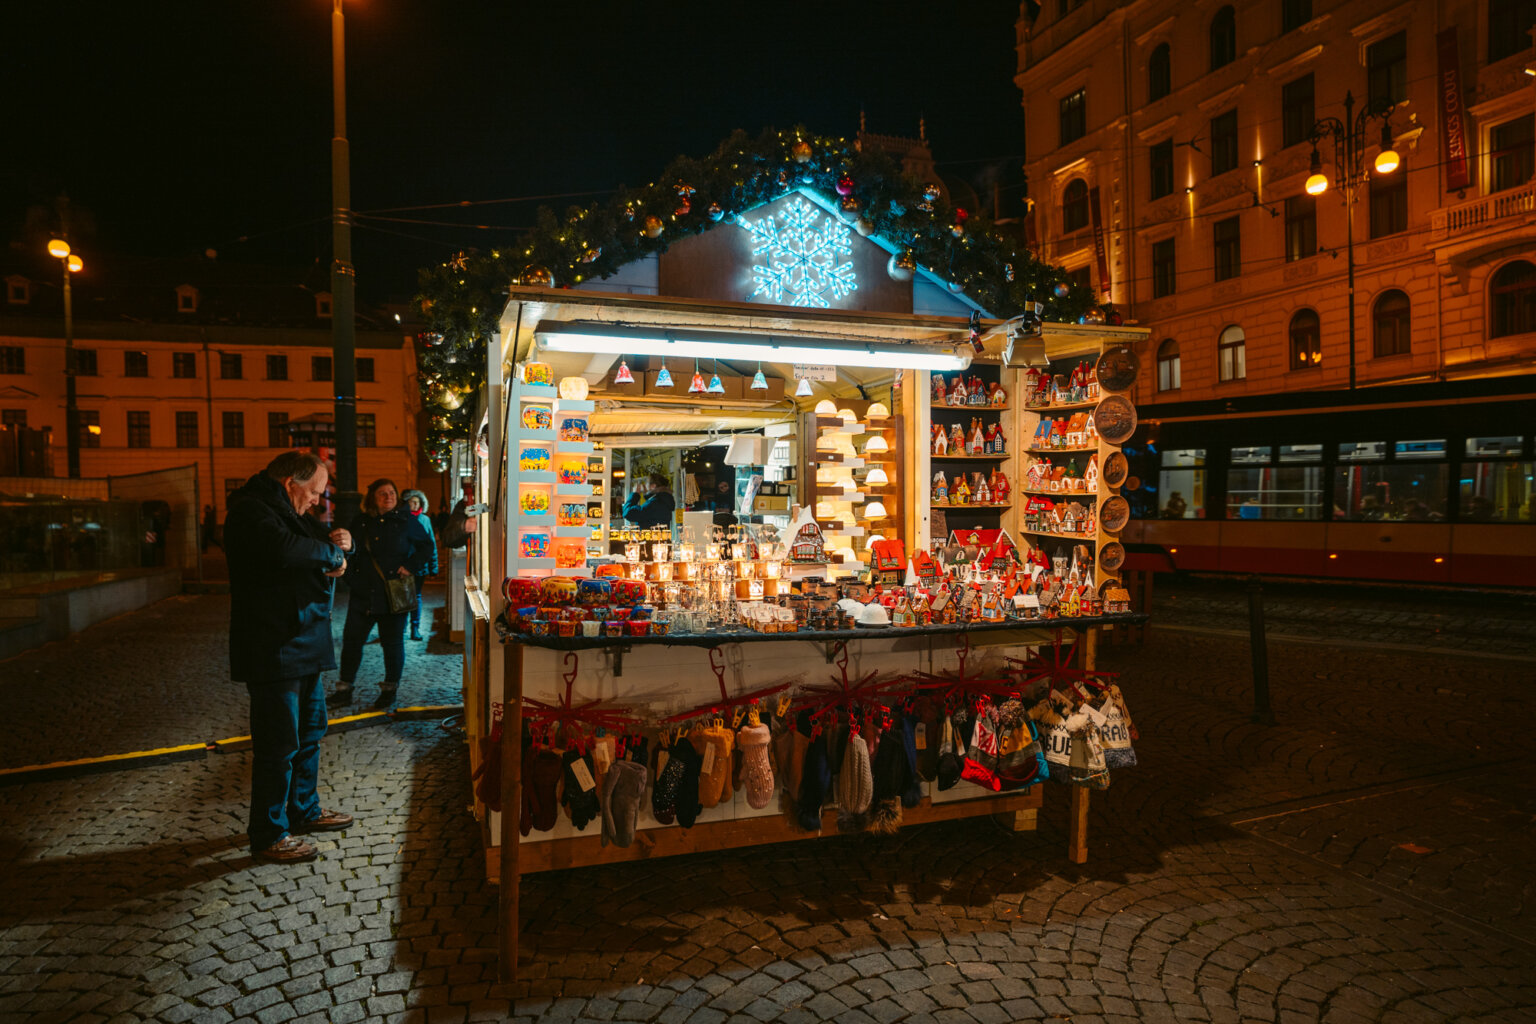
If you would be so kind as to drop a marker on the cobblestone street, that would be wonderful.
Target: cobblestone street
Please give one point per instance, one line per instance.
(1365, 859)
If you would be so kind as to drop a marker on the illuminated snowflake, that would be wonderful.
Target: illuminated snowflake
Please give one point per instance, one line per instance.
(799, 262)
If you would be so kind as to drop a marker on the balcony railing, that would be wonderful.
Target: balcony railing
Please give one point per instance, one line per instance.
(1484, 211)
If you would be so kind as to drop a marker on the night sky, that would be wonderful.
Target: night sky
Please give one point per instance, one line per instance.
(177, 127)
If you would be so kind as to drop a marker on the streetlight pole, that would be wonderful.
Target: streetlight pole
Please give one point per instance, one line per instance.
(343, 284)
(71, 264)
(1349, 163)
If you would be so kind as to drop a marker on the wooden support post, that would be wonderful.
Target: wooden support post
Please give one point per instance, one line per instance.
(511, 804)
(1077, 814)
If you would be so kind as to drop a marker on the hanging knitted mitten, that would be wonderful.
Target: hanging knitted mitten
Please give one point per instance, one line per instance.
(981, 758)
(815, 781)
(912, 791)
(714, 744)
(756, 772)
(950, 763)
(891, 773)
(579, 797)
(669, 781)
(623, 787)
(688, 806)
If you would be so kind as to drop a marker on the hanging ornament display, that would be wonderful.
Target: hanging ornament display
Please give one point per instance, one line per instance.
(1008, 272)
(591, 254)
(901, 266)
(1061, 289)
(784, 179)
(447, 397)
(851, 207)
(664, 376)
(654, 227)
(930, 193)
(622, 374)
(845, 184)
(715, 213)
(684, 199)
(801, 151)
(956, 288)
(1093, 316)
(629, 211)
(958, 227)
(759, 382)
(716, 385)
(803, 389)
(697, 385)
(538, 277)
(864, 226)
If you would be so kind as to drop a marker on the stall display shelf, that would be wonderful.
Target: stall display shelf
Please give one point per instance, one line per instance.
(1064, 406)
(537, 392)
(573, 490)
(536, 476)
(940, 407)
(1060, 536)
(526, 434)
(1062, 451)
(1061, 494)
(573, 531)
(983, 508)
(972, 458)
(575, 447)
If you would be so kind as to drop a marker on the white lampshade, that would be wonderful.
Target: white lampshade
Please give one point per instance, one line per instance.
(877, 411)
(877, 443)
(826, 407)
(846, 483)
(826, 443)
(803, 389)
(877, 478)
(844, 444)
(573, 388)
(874, 510)
(848, 415)
(826, 475)
(824, 510)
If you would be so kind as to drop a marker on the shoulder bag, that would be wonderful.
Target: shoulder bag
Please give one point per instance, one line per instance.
(399, 591)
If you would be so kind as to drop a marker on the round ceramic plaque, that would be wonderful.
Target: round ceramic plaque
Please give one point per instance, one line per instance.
(1111, 556)
(1114, 514)
(1117, 368)
(1116, 469)
(1115, 419)
(1106, 584)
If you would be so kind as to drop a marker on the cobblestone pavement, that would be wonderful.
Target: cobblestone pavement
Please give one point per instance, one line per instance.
(1366, 859)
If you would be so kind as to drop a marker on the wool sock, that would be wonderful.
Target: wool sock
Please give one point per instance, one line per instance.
(756, 772)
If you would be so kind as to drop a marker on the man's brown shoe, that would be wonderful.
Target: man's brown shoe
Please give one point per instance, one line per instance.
(287, 850)
(327, 821)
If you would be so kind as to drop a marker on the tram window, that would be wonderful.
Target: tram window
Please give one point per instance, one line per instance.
(1301, 453)
(1362, 451)
(1275, 492)
(1248, 456)
(1497, 492)
(1181, 484)
(1390, 492)
(1420, 449)
(1484, 447)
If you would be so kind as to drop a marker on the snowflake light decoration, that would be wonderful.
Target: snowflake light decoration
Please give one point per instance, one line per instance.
(799, 260)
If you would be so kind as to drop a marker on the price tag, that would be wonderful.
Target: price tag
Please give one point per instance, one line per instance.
(602, 756)
(709, 759)
(1095, 715)
(922, 736)
(583, 776)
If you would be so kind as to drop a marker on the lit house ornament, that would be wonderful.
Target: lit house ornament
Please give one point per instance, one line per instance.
(798, 263)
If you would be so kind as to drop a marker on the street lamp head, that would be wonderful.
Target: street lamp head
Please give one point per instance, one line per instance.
(75, 264)
(1387, 160)
(58, 248)
(1317, 181)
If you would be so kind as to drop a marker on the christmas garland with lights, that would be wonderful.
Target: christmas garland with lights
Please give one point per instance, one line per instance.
(462, 299)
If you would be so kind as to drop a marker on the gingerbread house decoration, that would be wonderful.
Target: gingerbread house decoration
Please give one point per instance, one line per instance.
(1091, 474)
(993, 546)
(1117, 601)
(1077, 431)
(1090, 431)
(807, 543)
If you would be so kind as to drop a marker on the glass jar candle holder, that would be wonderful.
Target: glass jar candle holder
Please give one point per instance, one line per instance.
(632, 552)
(660, 551)
(637, 570)
(685, 553)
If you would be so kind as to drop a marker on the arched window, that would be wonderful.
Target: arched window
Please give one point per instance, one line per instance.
(1231, 354)
(1159, 74)
(1168, 366)
(1512, 296)
(1074, 206)
(1223, 38)
(1390, 320)
(1306, 340)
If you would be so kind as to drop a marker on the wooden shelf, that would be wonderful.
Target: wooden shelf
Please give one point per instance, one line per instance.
(1086, 538)
(1063, 407)
(1059, 451)
(975, 458)
(1060, 494)
(936, 407)
(981, 508)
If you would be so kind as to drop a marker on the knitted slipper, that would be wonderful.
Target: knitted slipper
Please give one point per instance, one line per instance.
(756, 772)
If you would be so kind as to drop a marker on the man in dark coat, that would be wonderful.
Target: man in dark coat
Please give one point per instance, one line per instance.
(281, 571)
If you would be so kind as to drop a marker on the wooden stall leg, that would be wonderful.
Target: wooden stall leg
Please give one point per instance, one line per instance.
(511, 805)
(1020, 821)
(1077, 826)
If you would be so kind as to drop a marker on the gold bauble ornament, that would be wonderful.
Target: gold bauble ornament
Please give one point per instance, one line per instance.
(538, 277)
(654, 227)
(801, 151)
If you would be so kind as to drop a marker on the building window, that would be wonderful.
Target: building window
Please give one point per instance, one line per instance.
(234, 429)
(184, 364)
(85, 361)
(231, 365)
(1389, 203)
(1161, 165)
(277, 430)
(13, 359)
(186, 430)
(1074, 116)
(1512, 153)
(1223, 38)
(1306, 340)
(1223, 142)
(1082, 277)
(1259, 488)
(1297, 111)
(138, 429)
(1229, 249)
(1181, 484)
(13, 417)
(18, 291)
(1074, 206)
(1168, 366)
(367, 431)
(1232, 354)
(1386, 65)
(1391, 491)
(135, 364)
(1159, 73)
(364, 370)
(319, 367)
(1496, 491)
(1300, 227)
(1390, 324)
(323, 304)
(1164, 272)
(1513, 295)
(277, 367)
(1294, 14)
(1509, 27)
(186, 302)
(89, 423)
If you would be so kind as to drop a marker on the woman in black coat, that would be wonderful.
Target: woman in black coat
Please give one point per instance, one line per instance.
(387, 541)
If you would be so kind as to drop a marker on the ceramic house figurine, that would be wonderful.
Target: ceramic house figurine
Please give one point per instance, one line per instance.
(999, 440)
(957, 440)
(978, 444)
(982, 491)
(940, 489)
(1042, 438)
(940, 440)
(1055, 396)
(957, 392)
(807, 543)
(998, 396)
(961, 494)
(1037, 475)
(1077, 430)
(1031, 385)
(1091, 474)
(1093, 384)
(1090, 431)
(999, 487)
(939, 389)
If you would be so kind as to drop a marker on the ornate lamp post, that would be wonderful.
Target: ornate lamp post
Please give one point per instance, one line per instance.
(343, 284)
(1349, 142)
(59, 250)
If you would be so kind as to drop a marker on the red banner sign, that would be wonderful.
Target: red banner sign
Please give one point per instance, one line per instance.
(1098, 240)
(1453, 150)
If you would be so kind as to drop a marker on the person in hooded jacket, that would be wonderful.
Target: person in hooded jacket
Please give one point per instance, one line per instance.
(390, 542)
(282, 568)
(416, 503)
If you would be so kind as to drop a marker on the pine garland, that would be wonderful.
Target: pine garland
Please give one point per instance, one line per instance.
(463, 298)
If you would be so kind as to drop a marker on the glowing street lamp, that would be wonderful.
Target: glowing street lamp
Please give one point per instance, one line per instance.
(59, 249)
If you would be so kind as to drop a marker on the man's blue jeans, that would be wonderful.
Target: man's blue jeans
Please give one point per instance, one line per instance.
(288, 721)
